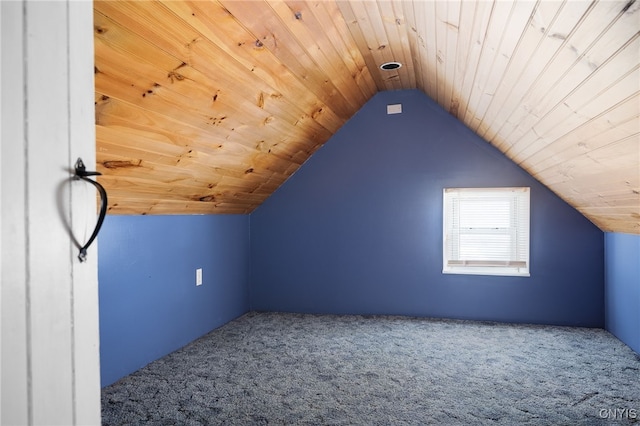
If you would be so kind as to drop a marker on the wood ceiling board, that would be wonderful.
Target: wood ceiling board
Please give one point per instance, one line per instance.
(409, 12)
(630, 202)
(587, 180)
(145, 192)
(597, 187)
(614, 124)
(606, 160)
(619, 223)
(378, 41)
(135, 206)
(485, 76)
(616, 223)
(325, 43)
(395, 27)
(216, 24)
(566, 119)
(469, 56)
(506, 62)
(536, 46)
(226, 99)
(606, 211)
(460, 66)
(367, 27)
(178, 186)
(319, 135)
(111, 112)
(365, 72)
(353, 27)
(204, 140)
(203, 84)
(565, 65)
(402, 26)
(427, 30)
(270, 34)
(603, 195)
(447, 34)
(543, 169)
(189, 82)
(145, 143)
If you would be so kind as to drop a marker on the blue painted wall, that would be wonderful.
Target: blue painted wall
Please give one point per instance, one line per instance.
(622, 287)
(358, 229)
(149, 303)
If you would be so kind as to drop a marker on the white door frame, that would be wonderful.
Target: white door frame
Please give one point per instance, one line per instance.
(48, 299)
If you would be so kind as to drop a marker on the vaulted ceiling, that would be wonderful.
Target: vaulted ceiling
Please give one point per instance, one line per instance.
(209, 106)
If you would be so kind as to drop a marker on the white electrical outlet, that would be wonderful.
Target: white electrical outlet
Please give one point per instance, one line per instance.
(199, 276)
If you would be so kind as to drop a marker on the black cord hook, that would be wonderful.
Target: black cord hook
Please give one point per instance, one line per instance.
(82, 173)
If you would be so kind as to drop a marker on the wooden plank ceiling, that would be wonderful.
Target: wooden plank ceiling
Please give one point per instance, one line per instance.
(209, 106)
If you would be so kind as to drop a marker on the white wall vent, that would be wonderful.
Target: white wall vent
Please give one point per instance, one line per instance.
(394, 109)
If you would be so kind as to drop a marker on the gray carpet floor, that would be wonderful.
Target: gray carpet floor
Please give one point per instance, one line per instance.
(294, 369)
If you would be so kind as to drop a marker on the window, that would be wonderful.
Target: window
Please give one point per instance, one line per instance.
(486, 231)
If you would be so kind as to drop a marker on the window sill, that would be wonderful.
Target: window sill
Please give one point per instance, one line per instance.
(484, 271)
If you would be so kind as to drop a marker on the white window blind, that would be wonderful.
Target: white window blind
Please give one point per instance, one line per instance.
(486, 231)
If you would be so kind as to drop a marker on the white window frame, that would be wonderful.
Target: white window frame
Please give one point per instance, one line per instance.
(486, 231)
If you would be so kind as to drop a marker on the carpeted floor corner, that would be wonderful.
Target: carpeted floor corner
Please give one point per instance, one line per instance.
(295, 369)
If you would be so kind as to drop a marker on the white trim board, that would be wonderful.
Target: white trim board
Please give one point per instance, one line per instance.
(49, 302)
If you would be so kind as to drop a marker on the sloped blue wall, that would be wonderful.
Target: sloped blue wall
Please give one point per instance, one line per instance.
(622, 287)
(358, 229)
(149, 303)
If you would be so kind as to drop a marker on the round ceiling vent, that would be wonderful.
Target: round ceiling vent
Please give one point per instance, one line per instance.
(390, 66)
